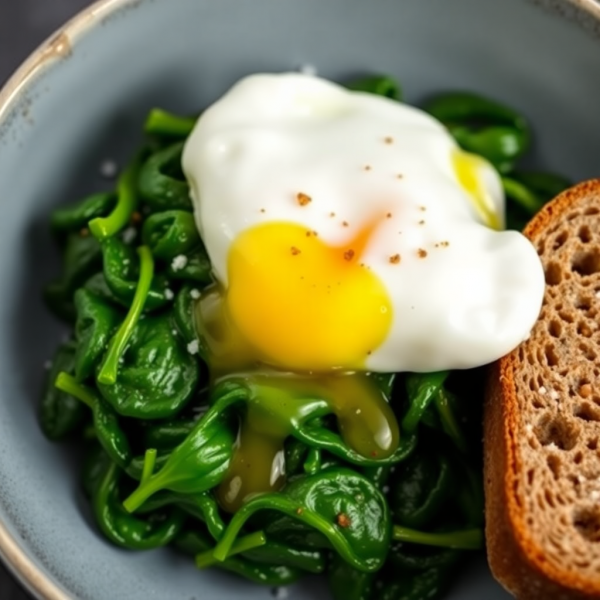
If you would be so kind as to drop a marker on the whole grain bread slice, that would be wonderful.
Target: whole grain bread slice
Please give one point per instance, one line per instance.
(542, 419)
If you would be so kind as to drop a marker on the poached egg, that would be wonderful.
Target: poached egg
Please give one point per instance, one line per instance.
(349, 232)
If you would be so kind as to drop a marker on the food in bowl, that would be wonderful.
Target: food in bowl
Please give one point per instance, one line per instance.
(281, 379)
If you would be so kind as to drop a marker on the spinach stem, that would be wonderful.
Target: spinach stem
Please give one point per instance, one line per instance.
(146, 488)
(280, 503)
(449, 423)
(422, 390)
(105, 227)
(467, 539)
(108, 372)
(69, 385)
(243, 544)
(149, 463)
(161, 122)
(313, 461)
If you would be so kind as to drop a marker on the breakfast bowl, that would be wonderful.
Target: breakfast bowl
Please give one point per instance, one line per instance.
(73, 114)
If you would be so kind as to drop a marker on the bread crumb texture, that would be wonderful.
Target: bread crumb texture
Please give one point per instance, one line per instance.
(549, 389)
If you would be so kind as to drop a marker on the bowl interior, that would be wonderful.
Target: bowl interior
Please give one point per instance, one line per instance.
(182, 54)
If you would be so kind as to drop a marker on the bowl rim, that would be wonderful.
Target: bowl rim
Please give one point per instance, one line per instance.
(58, 47)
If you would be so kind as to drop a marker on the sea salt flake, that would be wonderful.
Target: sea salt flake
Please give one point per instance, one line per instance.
(179, 262)
(195, 294)
(193, 347)
(169, 295)
(554, 395)
(542, 390)
(129, 235)
(108, 168)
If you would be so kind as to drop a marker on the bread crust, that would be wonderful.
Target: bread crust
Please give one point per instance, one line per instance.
(517, 561)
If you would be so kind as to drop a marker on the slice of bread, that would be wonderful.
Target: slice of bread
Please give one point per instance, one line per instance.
(542, 419)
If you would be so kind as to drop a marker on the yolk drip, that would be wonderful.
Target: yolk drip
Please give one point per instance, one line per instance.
(314, 311)
(365, 420)
(257, 466)
(302, 304)
(468, 168)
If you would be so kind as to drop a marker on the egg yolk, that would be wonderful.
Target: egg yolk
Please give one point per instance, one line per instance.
(468, 168)
(302, 304)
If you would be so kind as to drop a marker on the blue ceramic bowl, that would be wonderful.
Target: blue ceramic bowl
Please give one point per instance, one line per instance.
(80, 99)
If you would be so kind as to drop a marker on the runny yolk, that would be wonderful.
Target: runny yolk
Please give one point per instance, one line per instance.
(468, 167)
(310, 314)
(304, 305)
(366, 423)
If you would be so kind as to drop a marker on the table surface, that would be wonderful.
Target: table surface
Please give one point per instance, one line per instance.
(23, 25)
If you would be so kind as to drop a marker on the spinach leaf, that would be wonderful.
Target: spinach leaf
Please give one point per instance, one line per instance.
(157, 375)
(60, 413)
(96, 321)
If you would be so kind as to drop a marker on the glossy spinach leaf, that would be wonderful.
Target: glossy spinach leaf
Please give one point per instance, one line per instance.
(162, 183)
(167, 435)
(198, 464)
(170, 233)
(156, 376)
(121, 272)
(422, 486)
(82, 257)
(311, 561)
(126, 530)
(347, 512)
(60, 413)
(72, 219)
(194, 266)
(96, 322)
